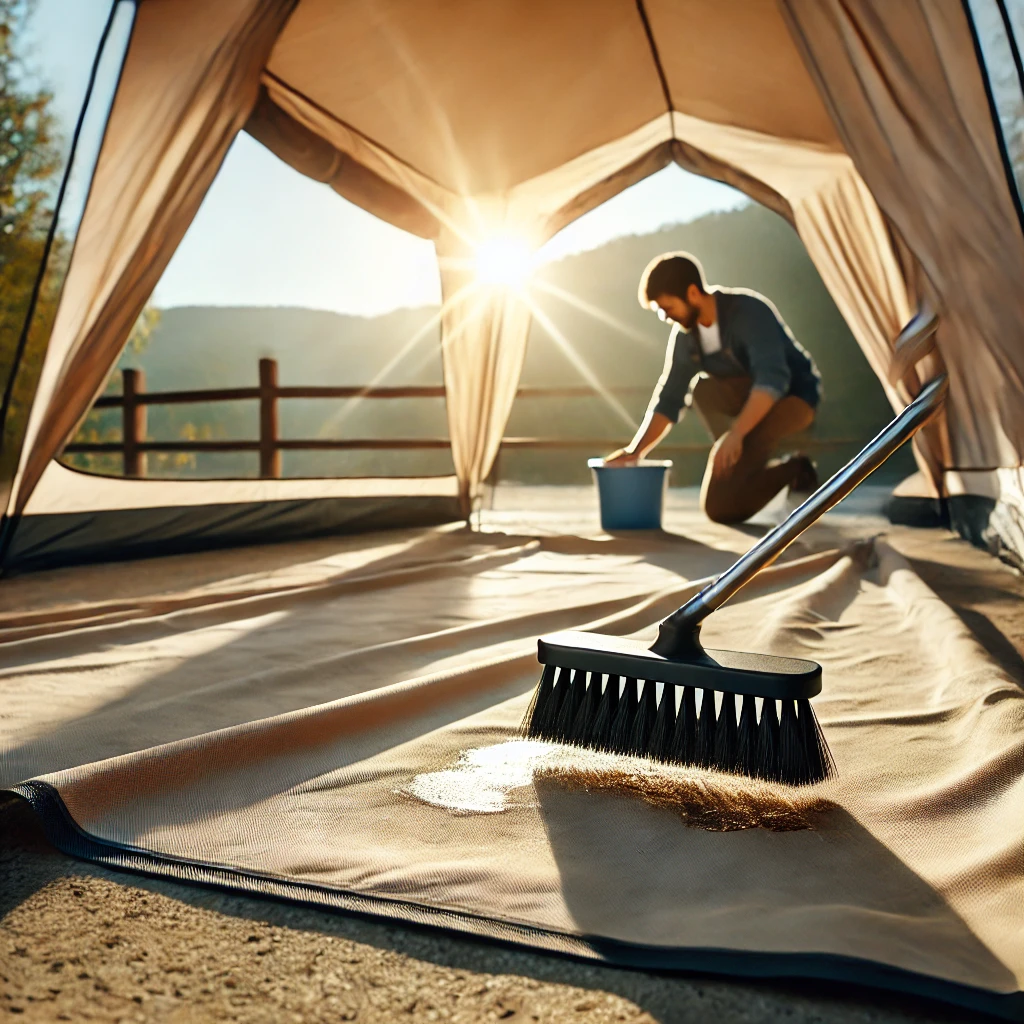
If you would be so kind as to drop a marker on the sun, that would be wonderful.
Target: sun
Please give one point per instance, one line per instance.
(504, 260)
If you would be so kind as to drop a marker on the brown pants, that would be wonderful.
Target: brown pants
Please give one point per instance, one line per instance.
(736, 496)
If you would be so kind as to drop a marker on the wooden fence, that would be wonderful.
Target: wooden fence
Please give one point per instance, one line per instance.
(134, 401)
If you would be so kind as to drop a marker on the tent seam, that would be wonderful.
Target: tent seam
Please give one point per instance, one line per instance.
(659, 67)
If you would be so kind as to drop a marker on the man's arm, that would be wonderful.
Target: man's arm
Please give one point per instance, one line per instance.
(665, 408)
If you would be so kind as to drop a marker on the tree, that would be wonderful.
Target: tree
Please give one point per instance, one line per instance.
(31, 161)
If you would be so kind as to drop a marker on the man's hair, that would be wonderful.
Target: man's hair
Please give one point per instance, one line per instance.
(671, 273)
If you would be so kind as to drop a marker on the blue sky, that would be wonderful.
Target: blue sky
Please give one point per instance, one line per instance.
(265, 235)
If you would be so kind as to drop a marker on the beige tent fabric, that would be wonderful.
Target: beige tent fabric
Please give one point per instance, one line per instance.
(920, 132)
(483, 346)
(477, 98)
(221, 638)
(409, 784)
(190, 79)
(735, 64)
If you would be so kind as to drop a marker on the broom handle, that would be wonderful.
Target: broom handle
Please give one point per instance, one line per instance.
(678, 631)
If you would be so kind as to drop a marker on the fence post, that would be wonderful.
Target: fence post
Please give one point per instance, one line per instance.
(270, 455)
(133, 422)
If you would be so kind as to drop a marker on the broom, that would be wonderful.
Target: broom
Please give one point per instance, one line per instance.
(617, 695)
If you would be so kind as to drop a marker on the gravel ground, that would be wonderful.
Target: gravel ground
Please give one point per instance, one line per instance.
(80, 943)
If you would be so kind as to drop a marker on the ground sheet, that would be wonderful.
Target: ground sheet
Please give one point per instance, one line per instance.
(336, 723)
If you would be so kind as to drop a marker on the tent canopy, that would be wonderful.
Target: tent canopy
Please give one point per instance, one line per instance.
(462, 120)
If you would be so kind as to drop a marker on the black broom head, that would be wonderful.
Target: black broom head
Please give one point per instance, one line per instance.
(611, 694)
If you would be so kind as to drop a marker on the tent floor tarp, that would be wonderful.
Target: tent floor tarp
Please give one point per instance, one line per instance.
(386, 779)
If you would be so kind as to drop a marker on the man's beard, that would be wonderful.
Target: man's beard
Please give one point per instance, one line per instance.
(689, 320)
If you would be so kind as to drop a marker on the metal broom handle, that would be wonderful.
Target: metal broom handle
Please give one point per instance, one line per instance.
(912, 343)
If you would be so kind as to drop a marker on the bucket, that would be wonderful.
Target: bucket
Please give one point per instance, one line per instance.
(631, 497)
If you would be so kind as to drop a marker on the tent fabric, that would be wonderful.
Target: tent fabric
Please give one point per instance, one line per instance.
(190, 79)
(68, 491)
(483, 349)
(312, 155)
(389, 777)
(920, 132)
(71, 538)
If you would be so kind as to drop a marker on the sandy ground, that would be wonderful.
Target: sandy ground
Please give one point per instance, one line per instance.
(81, 943)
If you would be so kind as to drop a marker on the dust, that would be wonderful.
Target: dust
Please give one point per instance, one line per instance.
(713, 801)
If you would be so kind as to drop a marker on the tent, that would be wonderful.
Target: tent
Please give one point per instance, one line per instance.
(259, 729)
(869, 126)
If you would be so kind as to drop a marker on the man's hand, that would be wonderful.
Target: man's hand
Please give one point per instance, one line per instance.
(621, 457)
(654, 427)
(730, 448)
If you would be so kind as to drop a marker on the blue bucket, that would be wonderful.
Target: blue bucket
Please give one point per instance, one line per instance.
(631, 497)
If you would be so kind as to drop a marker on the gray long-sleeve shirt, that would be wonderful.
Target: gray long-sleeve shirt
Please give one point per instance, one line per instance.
(755, 342)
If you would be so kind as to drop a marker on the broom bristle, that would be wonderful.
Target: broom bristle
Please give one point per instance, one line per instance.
(768, 742)
(746, 738)
(606, 708)
(706, 730)
(684, 742)
(792, 759)
(725, 734)
(622, 726)
(583, 724)
(538, 714)
(664, 725)
(571, 706)
(643, 722)
(818, 757)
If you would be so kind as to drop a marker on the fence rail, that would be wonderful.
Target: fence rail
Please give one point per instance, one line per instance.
(134, 401)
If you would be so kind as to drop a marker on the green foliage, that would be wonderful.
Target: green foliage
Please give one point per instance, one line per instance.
(30, 164)
(29, 155)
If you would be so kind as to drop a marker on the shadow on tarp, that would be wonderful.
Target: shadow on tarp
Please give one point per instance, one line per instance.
(962, 586)
(585, 866)
(257, 675)
(618, 859)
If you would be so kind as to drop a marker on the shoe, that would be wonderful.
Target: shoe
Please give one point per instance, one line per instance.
(806, 482)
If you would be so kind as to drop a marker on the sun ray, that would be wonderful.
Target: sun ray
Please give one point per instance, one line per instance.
(457, 165)
(596, 312)
(579, 363)
(334, 421)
